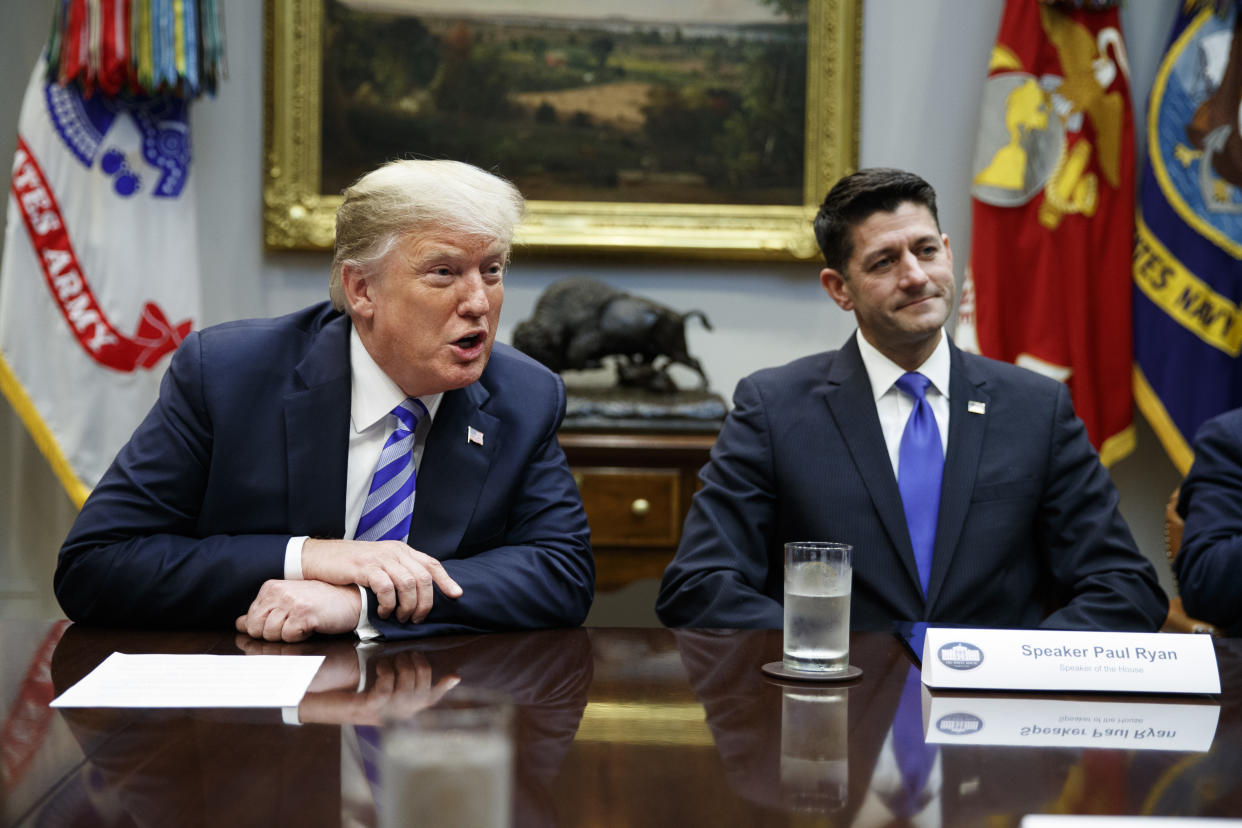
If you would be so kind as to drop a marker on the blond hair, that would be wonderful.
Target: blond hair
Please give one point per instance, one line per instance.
(411, 197)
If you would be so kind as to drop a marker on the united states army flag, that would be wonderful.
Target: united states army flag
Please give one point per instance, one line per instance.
(99, 282)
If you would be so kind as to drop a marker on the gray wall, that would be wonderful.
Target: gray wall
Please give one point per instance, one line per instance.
(923, 69)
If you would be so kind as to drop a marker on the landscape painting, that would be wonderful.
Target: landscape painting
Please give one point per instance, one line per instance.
(704, 128)
(700, 101)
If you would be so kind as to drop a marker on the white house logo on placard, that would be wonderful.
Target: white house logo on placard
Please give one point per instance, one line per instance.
(958, 655)
(959, 724)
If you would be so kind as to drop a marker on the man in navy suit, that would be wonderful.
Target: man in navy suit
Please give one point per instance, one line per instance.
(237, 500)
(1209, 565)
(1023, 529)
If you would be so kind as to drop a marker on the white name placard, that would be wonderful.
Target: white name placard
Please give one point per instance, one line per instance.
(1027, 722)
(986, 659)
(1145, 821)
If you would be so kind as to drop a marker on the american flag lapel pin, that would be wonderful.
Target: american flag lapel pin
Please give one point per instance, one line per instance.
(473, 435)
(976, 407)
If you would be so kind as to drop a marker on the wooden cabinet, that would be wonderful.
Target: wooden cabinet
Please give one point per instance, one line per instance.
(636, 487)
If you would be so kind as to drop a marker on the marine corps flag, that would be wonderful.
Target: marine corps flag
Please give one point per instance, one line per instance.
(99, 280)
(1188, 245)
(1048, 286)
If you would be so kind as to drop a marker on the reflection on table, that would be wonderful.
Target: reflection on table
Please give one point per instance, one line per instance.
(613, 727)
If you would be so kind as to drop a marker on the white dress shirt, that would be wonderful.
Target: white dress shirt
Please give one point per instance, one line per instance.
(373, 395)
(894, 405)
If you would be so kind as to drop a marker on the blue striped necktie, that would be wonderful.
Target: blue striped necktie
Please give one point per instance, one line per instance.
(390, 502)
(920, 466)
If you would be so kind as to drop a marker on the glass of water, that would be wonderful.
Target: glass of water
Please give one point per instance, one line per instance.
(450, 764)
(818, 577)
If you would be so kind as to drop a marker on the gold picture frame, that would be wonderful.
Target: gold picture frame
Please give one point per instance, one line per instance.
(297, 216)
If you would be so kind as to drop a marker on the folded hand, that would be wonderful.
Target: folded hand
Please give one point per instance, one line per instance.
(293, 610)
(401, 577)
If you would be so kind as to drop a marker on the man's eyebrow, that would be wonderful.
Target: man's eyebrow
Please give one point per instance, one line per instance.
(883, 250)
(887, 249)
(456, 254)
(438, 253)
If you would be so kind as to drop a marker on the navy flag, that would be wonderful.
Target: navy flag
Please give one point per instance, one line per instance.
(1188, 235)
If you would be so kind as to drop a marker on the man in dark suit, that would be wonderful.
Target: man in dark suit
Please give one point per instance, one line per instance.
(1209, 565)
(271, 486)
(967, 487)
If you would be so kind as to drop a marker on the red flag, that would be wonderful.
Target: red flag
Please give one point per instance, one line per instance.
(1048, 285)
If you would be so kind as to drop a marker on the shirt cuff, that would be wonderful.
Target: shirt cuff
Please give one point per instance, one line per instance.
(366, 630)
(293, 558)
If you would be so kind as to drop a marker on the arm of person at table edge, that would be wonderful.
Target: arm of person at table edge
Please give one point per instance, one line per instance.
(1104, 582)
(1209, 565)
(539, 573)
(541, 576)
(133, 557)
(719, 574)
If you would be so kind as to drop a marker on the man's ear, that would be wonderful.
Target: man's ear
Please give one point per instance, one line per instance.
(836, 287)
(358, 288)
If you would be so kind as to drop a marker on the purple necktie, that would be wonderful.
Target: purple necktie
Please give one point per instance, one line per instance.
(914, 756)
(920, 466)
(390, 501)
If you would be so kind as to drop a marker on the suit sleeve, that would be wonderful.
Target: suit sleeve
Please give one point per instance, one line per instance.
(720, 575)
(1103, 581)
(541, 574)
(132, 557)
(1209, 564)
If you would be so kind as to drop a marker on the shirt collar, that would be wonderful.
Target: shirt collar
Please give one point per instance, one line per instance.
(373, 394)
(883, 372)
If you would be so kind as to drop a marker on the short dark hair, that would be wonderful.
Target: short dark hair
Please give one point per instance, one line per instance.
(857, 196)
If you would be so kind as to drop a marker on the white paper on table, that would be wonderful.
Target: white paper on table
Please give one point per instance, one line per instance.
(152, 680)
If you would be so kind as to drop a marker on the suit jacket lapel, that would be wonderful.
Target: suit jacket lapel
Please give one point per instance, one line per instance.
(961, 465)
(453, 471)
(317, 434)
(850, 398)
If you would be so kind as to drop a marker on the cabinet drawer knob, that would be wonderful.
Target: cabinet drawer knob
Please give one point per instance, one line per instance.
(640, 507)
(578, 480)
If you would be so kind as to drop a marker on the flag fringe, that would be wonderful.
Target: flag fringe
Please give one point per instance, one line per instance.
(1161, 423)
(1118, 447)
(16, 394)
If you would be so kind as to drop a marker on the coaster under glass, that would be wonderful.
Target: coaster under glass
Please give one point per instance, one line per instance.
(779, 670)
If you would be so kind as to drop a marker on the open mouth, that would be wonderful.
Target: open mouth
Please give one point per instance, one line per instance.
(469, 341)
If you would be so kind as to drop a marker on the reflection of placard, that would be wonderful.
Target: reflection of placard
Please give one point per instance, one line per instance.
(980, 659)
(1101, 821)
(1026, 722)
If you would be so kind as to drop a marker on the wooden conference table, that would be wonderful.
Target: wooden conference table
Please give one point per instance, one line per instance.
(614, 727)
